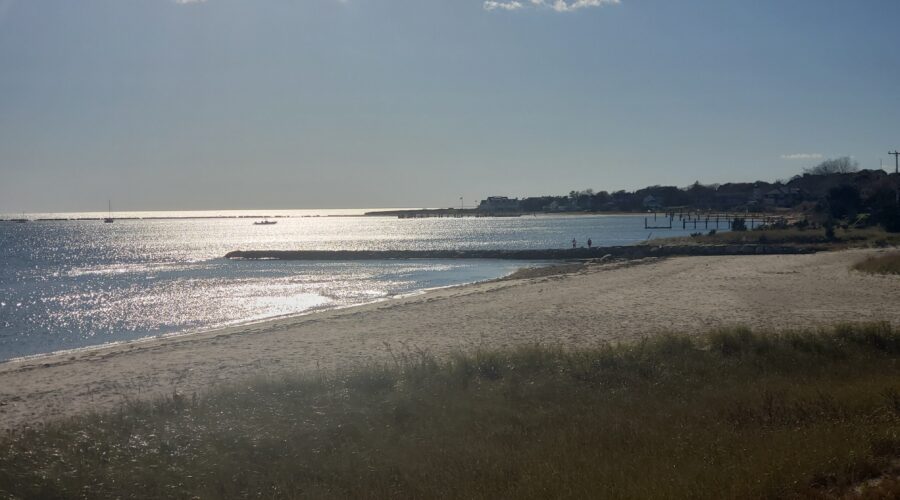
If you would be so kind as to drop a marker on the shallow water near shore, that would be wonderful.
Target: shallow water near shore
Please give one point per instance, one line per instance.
(73, 284)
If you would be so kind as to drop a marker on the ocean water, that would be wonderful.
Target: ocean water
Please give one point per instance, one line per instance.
(67, 284)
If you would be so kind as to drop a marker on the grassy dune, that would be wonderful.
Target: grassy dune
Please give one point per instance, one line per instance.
(883, 264)
(843, 238)
(730, 414)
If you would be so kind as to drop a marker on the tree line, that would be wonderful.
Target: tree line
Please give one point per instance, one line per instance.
(834, 189)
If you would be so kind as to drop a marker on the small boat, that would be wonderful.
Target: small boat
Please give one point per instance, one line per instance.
(109, 219)
(265, 223)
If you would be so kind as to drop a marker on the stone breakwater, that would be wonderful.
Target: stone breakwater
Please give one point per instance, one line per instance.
(620, 252)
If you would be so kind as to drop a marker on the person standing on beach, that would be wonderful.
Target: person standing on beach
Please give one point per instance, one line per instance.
(574, 243)
(589, 243)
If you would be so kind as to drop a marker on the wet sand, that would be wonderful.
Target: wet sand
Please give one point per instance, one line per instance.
(584, 306)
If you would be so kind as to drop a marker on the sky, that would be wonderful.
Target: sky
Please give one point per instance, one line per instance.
(254, 104)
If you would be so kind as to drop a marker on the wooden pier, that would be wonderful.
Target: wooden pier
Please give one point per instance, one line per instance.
(712, 220)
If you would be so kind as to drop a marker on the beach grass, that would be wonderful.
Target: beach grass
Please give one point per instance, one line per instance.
(816, 238)
(730, 414)
(881, 264)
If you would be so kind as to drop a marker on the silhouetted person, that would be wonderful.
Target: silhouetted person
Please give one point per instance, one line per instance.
(574, 243)
(589, 243)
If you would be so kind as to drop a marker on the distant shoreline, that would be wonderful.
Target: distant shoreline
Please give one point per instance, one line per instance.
(401, 213)
(187, 217)
(202, 217)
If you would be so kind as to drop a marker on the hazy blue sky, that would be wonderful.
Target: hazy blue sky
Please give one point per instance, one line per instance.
(160, 104)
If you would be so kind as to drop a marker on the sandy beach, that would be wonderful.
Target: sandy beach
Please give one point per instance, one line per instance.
(594, 304)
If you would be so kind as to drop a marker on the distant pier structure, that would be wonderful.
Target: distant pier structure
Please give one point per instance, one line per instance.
(493, 206)
(441, 213)
(710, 220)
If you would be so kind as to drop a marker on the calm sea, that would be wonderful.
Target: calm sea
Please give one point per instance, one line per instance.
(71, 284)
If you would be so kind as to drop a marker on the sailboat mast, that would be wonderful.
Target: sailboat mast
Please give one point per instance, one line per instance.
(108, 218)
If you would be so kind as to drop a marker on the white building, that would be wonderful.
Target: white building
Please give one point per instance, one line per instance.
(499, 204)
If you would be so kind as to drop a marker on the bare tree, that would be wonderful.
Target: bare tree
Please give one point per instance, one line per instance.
(842, 165)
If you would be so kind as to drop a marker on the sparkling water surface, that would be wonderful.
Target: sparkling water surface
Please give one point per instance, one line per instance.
(79, 283)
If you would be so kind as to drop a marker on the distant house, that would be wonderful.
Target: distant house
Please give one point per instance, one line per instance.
(652, 202)
(782, 196)
(759, 194)
(560, 206)
(733, 195)
(499, 204)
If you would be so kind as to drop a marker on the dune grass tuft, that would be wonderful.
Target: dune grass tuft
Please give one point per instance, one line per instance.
(734, 414)
(882, 264)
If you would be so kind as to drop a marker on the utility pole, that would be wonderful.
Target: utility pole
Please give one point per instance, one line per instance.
(896, 170)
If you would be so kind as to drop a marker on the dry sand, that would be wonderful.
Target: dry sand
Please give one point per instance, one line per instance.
(598, 303)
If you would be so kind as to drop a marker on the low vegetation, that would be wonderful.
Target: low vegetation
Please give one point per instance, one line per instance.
(809, 237)
(881, 264)
(734, 414)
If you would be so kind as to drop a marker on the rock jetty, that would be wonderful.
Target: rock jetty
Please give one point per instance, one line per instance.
(626, 252)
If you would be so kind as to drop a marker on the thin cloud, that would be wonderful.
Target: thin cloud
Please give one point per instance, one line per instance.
(492, 5)
(803, 156)
(556, 5)
(186, 2)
